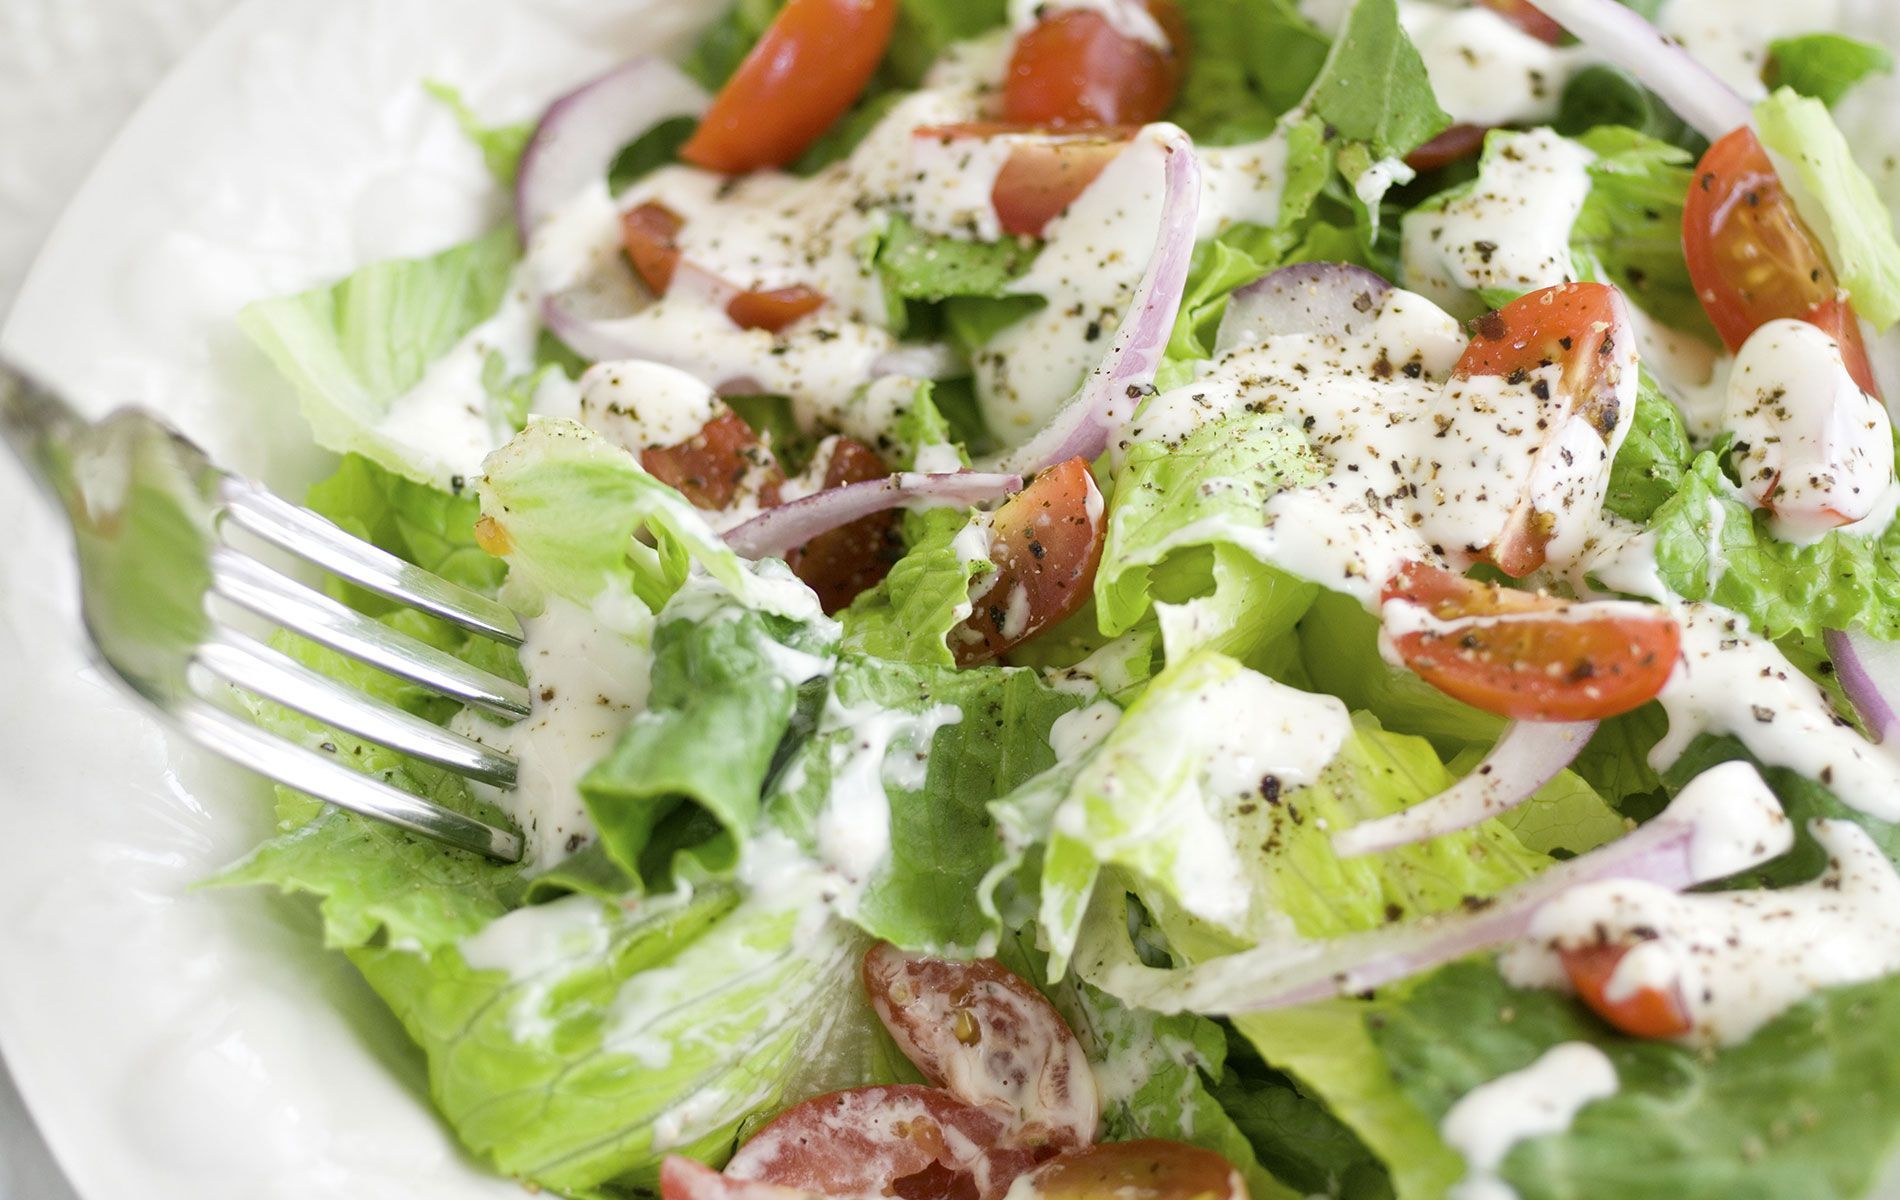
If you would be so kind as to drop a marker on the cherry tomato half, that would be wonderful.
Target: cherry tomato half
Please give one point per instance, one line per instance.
(1046, 542)
(809, 68)
(907, 1140)
(709, 467)
(1529, 18)
(854, 558)
(1144, 1169)
(1754, 260)
(1040, 179)
(984, 1034)
(1645, 1013)
(650, 233)
(1075, 69)
(1529, 656)
(1585, 329)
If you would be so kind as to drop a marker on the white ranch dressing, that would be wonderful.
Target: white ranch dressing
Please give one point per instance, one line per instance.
(1511, 231)
(538, 946)
(1733, 960)
(1731, 37)
(1542, 1099)
(1484, 69)
(1809, 442)
(1417, 464)
(640, 404)
(884, 748)
(588, 674)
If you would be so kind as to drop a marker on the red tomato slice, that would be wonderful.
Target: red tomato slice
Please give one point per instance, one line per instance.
(1040, 179)
(1752, 258)
(985, 1035)
(1074, 69)
(855, 558)
(1529, 18)
(1454, 145)
(1046, 542)
(709, 467)
(809, 68)
(905, 1140)
(1646, 1013)
(1529, 656)
(650, 233)
(1144, 1169)
(1579, 326)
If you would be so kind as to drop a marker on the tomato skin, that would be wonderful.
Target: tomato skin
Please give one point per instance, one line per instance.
(650, 234)
(1046, 541)
(810, 67)
(1753, 259)
(907, 1140)
(1040, 179)
(1580, 326)
(1529, 18)
(984, 1034)
(1648, 1013)
(1074, 69)
(709, 467)
(1585, 662)
(1454, 145)
(845, 562)
(1143, 1169)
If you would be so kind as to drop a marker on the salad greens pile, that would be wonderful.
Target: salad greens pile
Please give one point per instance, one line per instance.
(679, 971)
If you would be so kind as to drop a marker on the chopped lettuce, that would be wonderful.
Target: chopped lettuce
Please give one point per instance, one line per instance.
(575, 1044)
(1825, 66)
(1373, 88)
(1836, 199)
(1600, 95)
(723, 675)
(1710, 545)
(908, 617)
(1809, 1106)
(1248, 65)
(1629, 231)
(1207, 491)
(1655, 453)
(915, 265)
(501, 145)
(419, 524)
(923, 749)
(353, 350)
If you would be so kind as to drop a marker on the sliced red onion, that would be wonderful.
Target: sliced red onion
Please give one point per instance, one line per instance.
(1869, 671)
(1624, 39)
(578, 137)
(1526, 757)
(778, 531)
(1315, 298)
(1726, 821)
(1086, 423)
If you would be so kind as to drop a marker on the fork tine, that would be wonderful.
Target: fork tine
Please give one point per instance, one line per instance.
(257, 668)
(329, 780)
(251, 584)
(309, 536)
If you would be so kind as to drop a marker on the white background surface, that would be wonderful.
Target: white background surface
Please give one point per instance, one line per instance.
(71, 71)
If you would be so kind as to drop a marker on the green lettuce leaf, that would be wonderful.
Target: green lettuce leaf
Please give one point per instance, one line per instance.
(908, 617)
(1249, 64)
(725, 676)
(939, 744)
(1629, 231)
(1836, 199)
(1824, 65)
(575, 1044)
(433, 529)
(1374, 89)
(501, 145)
(1710, 545)
(1207, 491)
(352, 350)
(1600, 95)
(1655, 453)
(1809, 1106)
(915, 265)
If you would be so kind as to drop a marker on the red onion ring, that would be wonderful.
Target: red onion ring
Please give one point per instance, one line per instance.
(581, 133)
(1527, 756)
(1624, 39)
(1708, 832)
(1090, 418)
(1315, 298)
(1858, 659)
(777, 531)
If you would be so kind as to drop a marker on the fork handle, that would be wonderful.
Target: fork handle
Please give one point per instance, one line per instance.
(37, 424)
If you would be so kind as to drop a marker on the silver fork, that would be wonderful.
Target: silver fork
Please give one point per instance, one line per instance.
(150, 515)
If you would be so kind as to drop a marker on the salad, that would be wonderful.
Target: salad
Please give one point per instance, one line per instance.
(1177, 598)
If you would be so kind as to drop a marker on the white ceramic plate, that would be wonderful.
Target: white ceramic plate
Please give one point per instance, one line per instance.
(182, 1045)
